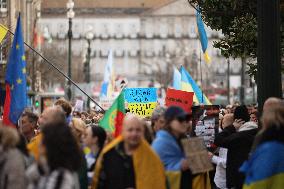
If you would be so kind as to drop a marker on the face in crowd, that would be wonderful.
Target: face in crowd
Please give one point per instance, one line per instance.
(159, 123)
(28, 125)
(51, 115)
(133, 131)
(179, 125)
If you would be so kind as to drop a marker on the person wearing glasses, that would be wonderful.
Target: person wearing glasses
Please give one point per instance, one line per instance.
(168, 144)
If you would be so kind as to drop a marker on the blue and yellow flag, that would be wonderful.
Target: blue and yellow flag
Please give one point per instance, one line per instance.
(265, 168)
(202, 36)
(188, 84)
(16, 85)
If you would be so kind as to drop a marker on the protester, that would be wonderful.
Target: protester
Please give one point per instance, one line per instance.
(168, 144)
(221, 159)
(254, 117)
(28, 124)
(270, 103)
(95, 140)
(265, 168)
(67, 108)
(157, 119)
(59, 159)
(238, 139)
(129, 162)
(78, 128)
(12, 162)
(49, 115)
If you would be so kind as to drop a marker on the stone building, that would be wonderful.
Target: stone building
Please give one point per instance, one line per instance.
(147, 38)
(9, 11)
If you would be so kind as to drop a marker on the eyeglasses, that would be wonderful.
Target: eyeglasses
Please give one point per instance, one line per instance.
(182, 119)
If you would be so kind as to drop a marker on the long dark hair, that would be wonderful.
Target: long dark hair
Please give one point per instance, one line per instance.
(101, 134)
(62, 149)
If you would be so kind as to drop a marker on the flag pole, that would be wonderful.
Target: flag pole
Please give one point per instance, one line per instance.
(201, 81)
(56, 68)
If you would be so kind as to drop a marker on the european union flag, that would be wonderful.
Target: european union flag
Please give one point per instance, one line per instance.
(16, 85)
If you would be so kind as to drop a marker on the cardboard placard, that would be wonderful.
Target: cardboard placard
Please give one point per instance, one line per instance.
(142, 109)
(205, 123)
(197, 155)
(106, 103)
(79, 106)
(140, 95)
(179, 98)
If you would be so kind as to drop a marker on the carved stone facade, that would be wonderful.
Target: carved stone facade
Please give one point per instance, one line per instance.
(145, 40)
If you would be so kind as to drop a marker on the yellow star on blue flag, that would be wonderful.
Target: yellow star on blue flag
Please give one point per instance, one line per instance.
(16, 84)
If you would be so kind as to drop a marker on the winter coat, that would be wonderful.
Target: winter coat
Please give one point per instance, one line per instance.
(42, 178)
(12, 169)
(238, 145)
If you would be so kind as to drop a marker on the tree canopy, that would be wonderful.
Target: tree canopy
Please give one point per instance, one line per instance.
(237, 20)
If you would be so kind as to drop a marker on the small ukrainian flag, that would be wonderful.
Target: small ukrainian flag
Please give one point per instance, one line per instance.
(202, 36)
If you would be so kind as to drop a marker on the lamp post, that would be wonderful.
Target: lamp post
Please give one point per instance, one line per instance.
(89, 37)
(70, 16)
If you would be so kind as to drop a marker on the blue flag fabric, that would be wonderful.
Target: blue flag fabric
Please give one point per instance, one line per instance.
(265, 168)
(16, 77)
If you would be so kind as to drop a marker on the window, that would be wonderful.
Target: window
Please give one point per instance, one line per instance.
(3, 5)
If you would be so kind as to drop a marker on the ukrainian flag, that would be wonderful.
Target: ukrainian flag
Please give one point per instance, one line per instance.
(202, 36)
(265, 168)
(188, 84)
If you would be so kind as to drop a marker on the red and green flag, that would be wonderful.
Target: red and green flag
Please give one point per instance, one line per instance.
(112, 120)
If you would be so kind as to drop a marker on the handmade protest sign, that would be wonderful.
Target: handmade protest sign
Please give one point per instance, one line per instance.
(141, 95)
(196, 155)
(142, 109)
(141, 101)
(79, 105)
(179, 98)
(205, 123)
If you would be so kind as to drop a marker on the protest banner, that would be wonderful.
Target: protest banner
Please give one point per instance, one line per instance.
(142, 109)
(205, 123)
(141, 101)
(196, 155)
(179, 98)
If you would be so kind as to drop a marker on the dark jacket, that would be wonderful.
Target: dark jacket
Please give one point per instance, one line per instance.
(117, 170)
(238, 145)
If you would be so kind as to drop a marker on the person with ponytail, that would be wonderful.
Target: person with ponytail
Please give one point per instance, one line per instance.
(94, 139)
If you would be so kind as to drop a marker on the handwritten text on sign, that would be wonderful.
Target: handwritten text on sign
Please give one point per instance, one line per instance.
(140, 95)
(142, 109)
(179, 98)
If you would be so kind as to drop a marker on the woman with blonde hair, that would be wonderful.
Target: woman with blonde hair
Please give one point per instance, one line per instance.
(265, 168)
(78, 128)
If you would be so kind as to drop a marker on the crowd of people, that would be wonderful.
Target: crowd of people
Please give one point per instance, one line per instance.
(65, 149)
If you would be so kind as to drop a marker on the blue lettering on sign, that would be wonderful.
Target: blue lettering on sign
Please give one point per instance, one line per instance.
(140, 95)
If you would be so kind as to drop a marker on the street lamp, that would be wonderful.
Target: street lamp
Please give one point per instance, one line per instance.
(70, 16)
(89, 37)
